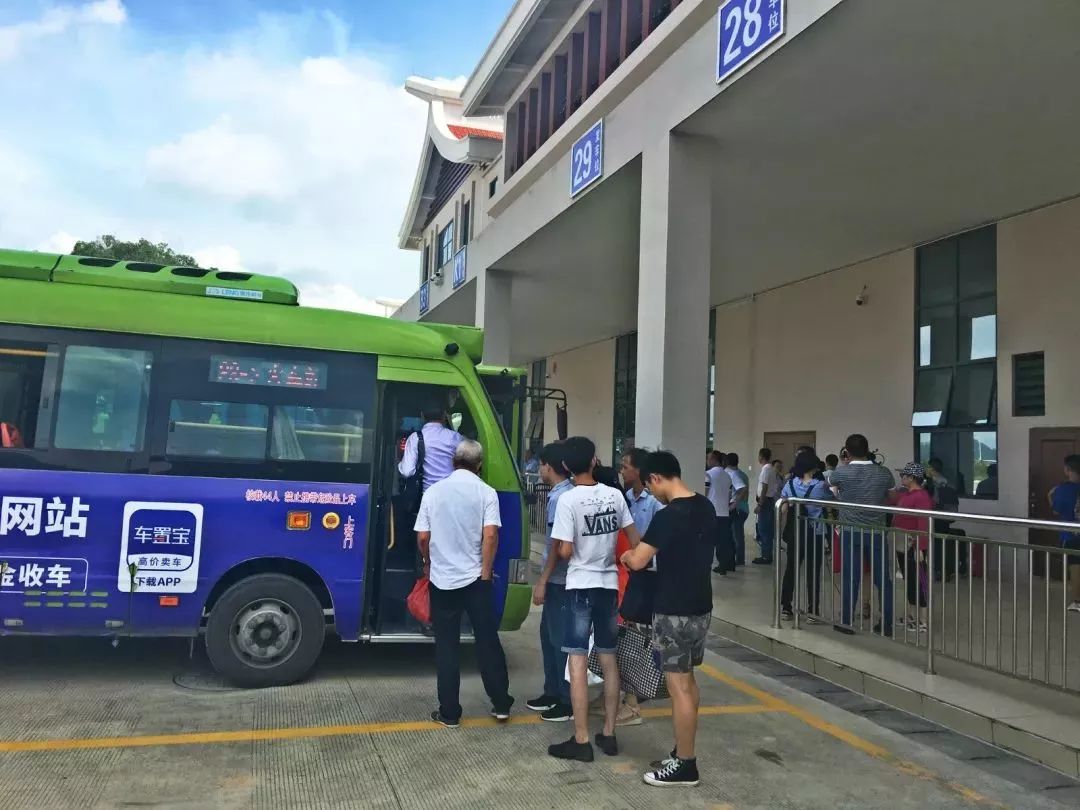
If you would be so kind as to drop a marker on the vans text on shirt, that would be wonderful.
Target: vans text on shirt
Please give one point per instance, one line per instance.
(590, 518)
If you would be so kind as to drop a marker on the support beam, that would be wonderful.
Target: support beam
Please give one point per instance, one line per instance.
(673, 300)
(610, 47)
(559, 110)
(533, 129)
(633, 26)
(575, 74)
(545, 109)
(594, 36)
(522, 124)
(493, 288)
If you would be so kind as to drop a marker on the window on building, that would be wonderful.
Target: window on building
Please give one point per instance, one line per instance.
(104, 395)
(955, 401)
(1029, 384)
(493, 186)
(466, 223)
(425, 269)
(446, 244)
(625, 395)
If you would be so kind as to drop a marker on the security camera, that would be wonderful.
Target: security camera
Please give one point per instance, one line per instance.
(437, 277)
(860, 299)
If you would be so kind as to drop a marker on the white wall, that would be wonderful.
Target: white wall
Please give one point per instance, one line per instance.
(587, 374)
(805, 357)
(1038, 295)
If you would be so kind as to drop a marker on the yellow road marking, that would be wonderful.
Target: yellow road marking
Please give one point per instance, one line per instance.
(309, 732)
(777, 704)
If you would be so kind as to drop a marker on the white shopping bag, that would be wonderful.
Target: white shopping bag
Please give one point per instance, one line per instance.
(593, 680)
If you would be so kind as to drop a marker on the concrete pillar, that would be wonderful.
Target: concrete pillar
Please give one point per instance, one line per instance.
(493, 315)
(673, 302)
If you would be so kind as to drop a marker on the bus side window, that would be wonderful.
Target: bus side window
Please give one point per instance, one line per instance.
(104, 394)
(27, 380)
(328, 435)
(222, 429)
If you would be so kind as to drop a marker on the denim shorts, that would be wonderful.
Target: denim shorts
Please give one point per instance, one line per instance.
(594, 609)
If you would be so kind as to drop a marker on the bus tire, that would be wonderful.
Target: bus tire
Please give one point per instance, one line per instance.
(266, 630)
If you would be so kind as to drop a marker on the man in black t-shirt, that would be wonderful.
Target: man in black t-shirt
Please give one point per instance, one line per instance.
(681, 538)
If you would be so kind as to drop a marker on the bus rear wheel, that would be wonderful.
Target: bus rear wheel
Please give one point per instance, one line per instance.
(266, 630)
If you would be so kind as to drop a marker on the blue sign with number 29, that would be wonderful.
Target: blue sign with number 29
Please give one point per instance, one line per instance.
(746, 27)
(587, 158)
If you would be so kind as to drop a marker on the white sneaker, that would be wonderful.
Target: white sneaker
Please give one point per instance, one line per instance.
(1074, 607)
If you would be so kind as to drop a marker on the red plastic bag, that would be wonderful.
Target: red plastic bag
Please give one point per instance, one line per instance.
(419, 601)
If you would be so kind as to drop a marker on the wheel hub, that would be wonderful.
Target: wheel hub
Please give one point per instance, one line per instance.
(267, 631)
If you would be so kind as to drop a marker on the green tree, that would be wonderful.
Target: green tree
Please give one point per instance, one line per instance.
(108, 246)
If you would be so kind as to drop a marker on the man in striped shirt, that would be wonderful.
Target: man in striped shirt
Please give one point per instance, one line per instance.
(863, 533)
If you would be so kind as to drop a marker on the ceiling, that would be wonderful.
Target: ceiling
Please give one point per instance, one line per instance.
(883, 126)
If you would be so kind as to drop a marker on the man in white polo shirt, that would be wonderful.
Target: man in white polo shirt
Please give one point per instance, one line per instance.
(458, 530)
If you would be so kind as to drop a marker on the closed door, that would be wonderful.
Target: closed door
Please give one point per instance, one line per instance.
(1049, 446)
(785, 445)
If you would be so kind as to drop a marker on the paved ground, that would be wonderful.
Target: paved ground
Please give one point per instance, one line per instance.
(86, 726)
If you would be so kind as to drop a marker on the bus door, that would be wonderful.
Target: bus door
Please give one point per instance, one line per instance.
(409, 388)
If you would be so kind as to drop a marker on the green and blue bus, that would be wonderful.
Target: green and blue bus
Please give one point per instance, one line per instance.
(189, 451)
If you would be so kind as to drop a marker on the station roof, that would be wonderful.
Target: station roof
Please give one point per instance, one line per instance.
(521, 41)
(449, 138)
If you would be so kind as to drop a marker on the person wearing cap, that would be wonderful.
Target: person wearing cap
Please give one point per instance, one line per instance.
(912, 494)
(804, 482)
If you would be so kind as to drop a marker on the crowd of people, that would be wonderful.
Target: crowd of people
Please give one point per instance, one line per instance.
(639, 553)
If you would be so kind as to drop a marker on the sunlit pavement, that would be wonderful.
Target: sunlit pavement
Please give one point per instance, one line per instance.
(85, 725)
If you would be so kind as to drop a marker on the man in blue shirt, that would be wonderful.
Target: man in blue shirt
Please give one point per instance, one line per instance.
(550, 591)
(1063, 503)
(642, 503)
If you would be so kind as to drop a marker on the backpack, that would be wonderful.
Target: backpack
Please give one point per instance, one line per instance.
(789, 525)
(412, 490)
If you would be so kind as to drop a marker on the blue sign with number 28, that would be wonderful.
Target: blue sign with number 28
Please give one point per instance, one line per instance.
(746, 27)
(587, 158)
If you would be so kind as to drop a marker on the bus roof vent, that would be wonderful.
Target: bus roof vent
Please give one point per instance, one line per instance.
(147, 276)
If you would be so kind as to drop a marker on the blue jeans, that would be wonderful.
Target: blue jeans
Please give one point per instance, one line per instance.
(595, 610)
(857, 547)
(766, 527)
(552, 623)
(738, 534)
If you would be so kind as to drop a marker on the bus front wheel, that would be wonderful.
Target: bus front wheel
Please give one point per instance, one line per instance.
(266, 630)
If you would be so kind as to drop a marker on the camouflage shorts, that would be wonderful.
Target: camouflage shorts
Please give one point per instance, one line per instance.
(680, 640)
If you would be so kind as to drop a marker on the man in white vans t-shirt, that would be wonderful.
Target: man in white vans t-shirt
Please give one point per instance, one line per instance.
(587, 523)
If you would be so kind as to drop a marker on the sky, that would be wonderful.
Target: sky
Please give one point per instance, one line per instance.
(268, 135)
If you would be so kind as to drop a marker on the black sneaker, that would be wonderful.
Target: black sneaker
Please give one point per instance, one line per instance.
(675, 773)
(559, 713)
(607, 745)
(572, 749)
(787, 614)
(761, 561)
(879, 631)
(437, 717)
(657, 764)
(847, 631)
(502, 715)
(542, 703)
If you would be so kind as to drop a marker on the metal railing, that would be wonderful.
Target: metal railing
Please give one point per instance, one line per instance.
(538, 500)
(988, 602)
